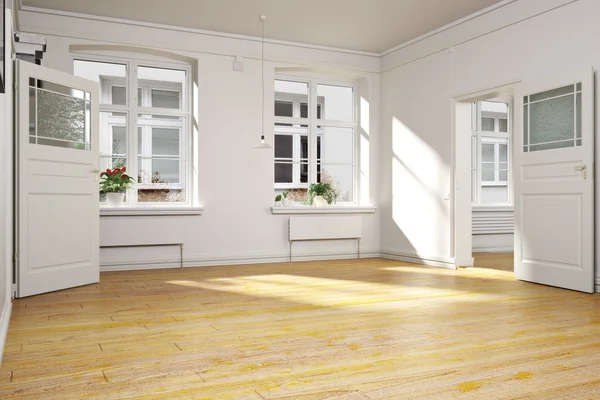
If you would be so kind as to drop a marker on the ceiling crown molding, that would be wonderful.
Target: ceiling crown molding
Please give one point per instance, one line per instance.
(191, 30)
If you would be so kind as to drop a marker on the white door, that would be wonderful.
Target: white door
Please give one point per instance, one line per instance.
(57, 188)
(554, 185)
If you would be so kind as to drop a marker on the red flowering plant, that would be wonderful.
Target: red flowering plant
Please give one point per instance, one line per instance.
(115, 180)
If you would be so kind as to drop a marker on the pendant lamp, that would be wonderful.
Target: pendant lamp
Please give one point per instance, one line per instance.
(263, 143)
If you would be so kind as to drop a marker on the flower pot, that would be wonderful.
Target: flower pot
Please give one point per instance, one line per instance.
(320, 201)
(115, 199)
(278, 204)
(285, 202)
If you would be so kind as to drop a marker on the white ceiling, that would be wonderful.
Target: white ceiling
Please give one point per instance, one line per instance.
(367, 25)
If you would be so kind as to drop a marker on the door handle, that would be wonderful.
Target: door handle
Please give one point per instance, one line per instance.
(580, 167)
(96, 173)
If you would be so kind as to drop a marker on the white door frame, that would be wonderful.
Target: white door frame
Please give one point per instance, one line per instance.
(461, 210)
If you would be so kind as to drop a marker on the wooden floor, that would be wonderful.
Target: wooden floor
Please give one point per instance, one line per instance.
(495, 261)
(369, 329)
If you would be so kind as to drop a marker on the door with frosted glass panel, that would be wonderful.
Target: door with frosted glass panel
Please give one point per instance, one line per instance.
(57, 180)
(554, 188)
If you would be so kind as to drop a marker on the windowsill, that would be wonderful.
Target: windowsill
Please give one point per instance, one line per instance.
(324, 210)
(149, 211)
(491, 207)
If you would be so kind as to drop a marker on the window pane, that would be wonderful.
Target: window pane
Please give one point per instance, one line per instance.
(289, 91)
(503, 152)
(304, 147)
(487, 152)
(488, 175)
(578, 116)
(57, 119)
(526, 125)
(166, 86)
(284, 172)
(337, 145)
(284, 108)
(165, 171)
(503, 176)
(503, 122)
(304, 173)
(166, 99)
(284, 146)
(303, 110)
(112, 162)
(119, 96)
(113, 134)
(552, 120)
(553, 93)
(119, 140)
(165, 142)
(337, 102)
(104, 73)
(341, 178)
(488, 124)
(161, 165)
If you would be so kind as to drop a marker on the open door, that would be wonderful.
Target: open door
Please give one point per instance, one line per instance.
(57, 173)
(554, 180)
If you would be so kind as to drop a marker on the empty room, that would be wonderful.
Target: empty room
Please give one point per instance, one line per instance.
(317, 200)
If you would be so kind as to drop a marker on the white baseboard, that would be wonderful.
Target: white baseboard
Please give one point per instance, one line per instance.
(4, 322)
(417, 259)
(507, 249)
(199, 261)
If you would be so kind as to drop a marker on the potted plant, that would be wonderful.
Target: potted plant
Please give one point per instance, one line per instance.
(321, 194)
(286, 201)
(278, 200)
(114, 183)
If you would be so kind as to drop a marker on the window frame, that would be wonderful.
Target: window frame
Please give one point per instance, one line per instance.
(131, 109)
(480, 137)
(314, 102)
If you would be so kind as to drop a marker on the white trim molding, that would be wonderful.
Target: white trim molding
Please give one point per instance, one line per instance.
(418, 259)
(149, 211)
(4, 322)
(492, 249)
(209, 261)
(324, 210)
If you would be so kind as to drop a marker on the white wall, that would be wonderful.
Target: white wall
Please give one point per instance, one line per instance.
(420, 80)
(6, 221)
(235, 181)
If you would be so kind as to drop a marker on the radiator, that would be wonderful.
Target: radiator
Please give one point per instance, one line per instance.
(325, 228)
(493, 222)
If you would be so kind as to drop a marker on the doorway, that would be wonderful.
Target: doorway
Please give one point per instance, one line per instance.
(483, 194)
(492, 195)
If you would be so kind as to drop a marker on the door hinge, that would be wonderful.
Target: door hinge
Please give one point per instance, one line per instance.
(15, 257)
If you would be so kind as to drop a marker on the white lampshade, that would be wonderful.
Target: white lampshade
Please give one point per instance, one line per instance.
(263, 144)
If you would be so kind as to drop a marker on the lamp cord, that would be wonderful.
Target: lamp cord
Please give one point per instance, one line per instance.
(262, 34)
